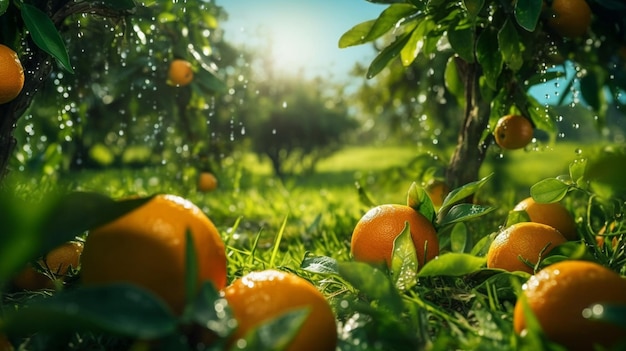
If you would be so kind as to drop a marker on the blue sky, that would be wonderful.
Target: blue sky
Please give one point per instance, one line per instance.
(304, 32)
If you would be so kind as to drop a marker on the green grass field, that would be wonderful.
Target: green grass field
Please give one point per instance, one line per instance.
(306, 223)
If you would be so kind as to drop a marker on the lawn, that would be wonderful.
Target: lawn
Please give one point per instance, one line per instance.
(306, 222)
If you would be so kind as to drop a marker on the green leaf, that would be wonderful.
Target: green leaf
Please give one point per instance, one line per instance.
(191, 267)
(404, 264)
(527, 13)
(577, 172)
(210, 310)
(473, 7)
(277, 333)
(452, 264)
(373, 283)
(511, 46)
(516, 217)
(387, 54)
(489, 56)
(77, 212)
(464, 212)
(356, 35)
(591, 90)
(121, 5)
(549, 190)
(462, 192)
(120, 309)
(320, 264)
(209, 81)
(613, 314)
(460, 240)
(462, 41)
(45, 35)
(388, 19)
(4, 5)
(416, 42)
(453, 81)
(418, 199)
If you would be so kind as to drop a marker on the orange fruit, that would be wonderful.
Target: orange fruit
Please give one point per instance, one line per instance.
(526, 239)
(261, 296)
(58, 262)
(180, 73)
(5, 345)
(374, 234)
(207, 182)
(437, 190)
(553, 214)
(558, 296)
(147, 247)
(513, 132)
(11, 74)
(570, 18)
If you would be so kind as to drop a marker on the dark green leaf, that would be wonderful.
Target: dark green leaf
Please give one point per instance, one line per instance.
(209, 81)
(277, 333)
(404, 262)
(527, 13)
(500, 283)
(473, 7)
(120, 309)
(462, 192)
(511, 46)
(320, 264)
(191, 267)
(489, 56)
(372, 282)
(462, 41)
(452, 264)
(418, 199)
(453, 81)
(210, 310)
(549, 190)
(45, 34)
(464, 212)
(77, 212)
(4, 5)
(591, 90)
(120, 5)
(387, 54)
(356, 35)
(613, 314)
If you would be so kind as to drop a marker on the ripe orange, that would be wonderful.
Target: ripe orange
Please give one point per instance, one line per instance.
(553, 214)
(558, 296)
(11, 74)
(147, 247)
(207, 182)
(525, 239)
(260, 296)
(513, 132)
(437, 190)
(180, 73)
(375, 232)
(58, 261)
(570, 18)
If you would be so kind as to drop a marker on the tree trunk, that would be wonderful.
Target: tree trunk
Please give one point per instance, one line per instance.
(470, 153)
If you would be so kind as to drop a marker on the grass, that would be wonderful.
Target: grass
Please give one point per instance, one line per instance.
(307, 221)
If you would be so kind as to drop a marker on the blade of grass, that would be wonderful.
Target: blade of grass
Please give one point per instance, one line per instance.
(279, 237)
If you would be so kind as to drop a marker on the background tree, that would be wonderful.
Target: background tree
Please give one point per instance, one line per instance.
(118, 91)
(497, 50)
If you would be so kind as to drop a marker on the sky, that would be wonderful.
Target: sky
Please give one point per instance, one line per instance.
(304, 33)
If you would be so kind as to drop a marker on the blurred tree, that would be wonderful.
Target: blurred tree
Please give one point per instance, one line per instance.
(118, 105)
(499, 50)
(298, 122)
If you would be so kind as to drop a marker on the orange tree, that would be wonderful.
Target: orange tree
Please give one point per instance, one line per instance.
(496, 51)
(107, 71)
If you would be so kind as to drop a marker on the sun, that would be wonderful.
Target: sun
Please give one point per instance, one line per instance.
(295, 46)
